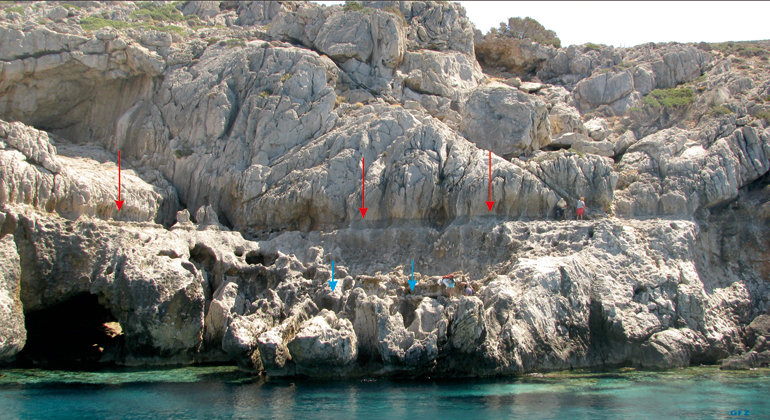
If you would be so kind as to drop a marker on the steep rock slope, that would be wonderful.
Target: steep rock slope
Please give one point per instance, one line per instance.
(262, 118)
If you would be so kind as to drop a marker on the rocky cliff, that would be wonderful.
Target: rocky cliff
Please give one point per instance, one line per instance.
(245, 129)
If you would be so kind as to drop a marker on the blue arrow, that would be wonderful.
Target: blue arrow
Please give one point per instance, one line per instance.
(332, 282)
(412, 282)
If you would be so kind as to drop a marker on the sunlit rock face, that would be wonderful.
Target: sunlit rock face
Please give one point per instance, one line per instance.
(246, 145)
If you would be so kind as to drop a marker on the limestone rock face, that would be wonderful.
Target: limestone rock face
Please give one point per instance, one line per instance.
(468, 326)
(34, 174)
(249, 134)
(447, 171)
(573, 176)
(668, 173)
(506, 121)
(12, 332)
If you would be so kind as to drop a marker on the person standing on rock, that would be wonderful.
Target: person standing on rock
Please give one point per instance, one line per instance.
(581, 208)
(561, 209)
(449, 283)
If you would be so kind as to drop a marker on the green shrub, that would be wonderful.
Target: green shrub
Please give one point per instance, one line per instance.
(17, 9)
(264, 94)
(285, 77)
(183, 153)
(669, 98)
(170, 28)
(69, 6)
(213, 40)
(591, 47)
(234, 42)
(764, 115)
(719, 110)
(519, 28)
(352, 6)
(93, 23)
(149, 11)
(752, 51)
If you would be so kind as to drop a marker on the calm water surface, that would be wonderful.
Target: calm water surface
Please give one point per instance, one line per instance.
(224, 393)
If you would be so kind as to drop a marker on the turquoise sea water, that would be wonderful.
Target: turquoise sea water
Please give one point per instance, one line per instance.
(224, 393)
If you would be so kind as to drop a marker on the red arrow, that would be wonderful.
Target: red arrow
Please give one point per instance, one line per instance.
(490, 203)
(363, 207)
(119, 202)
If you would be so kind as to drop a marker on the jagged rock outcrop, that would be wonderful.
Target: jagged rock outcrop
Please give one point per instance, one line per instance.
(251, 125)
(506, 121)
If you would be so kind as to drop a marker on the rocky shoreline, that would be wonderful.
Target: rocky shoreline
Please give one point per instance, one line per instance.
(242, 128)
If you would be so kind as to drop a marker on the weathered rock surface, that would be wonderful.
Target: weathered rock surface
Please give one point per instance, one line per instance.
(32, 173)
(506, 121)
(322, 342)
(254, 140)
(12, 332)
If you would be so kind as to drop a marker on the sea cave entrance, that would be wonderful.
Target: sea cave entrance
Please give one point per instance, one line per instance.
(77, 333)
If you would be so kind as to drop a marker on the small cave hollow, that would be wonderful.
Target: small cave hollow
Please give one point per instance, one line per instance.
(77, 333)
(407, 310)
(254, 258)
(204, 257)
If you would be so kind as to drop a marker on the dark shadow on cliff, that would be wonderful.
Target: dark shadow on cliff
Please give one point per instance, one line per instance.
(79, 333)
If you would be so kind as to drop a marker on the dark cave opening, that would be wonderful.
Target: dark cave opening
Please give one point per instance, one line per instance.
(254, 258)
(77, 333)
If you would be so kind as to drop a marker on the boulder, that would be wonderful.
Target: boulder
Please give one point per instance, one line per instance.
(324, 341)
(449, 74)
(603, 89)
(565, 119)
(240, 341)
(597, 129)
(530, 87)
(505, 121)
(623, 142)
(203, 9)
(57, 13)
(670, 348)
(566, 140)
(601, 148)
